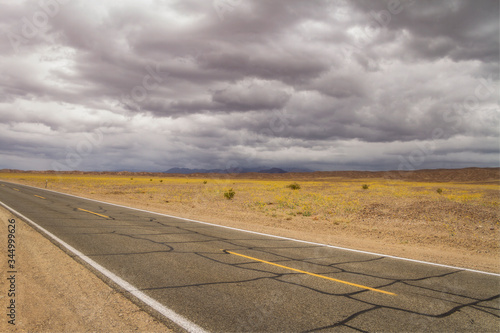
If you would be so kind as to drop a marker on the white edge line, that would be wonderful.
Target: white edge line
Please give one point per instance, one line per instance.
(168, 313)
(269, 235)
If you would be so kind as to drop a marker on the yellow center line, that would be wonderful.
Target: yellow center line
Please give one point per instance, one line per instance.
(38, 196)
(88, 211)
(15, 189)
(312, 274)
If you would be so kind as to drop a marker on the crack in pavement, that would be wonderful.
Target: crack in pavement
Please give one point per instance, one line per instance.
(319, 262)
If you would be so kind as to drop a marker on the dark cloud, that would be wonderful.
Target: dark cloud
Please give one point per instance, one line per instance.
(251, 96)
(461, 30)
(318, 84)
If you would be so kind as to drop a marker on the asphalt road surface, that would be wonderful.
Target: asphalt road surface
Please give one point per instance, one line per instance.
(209, 278)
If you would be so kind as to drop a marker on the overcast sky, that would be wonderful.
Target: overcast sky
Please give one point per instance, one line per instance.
(325, 85)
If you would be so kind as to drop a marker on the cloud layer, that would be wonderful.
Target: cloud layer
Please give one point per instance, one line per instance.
(327, 85)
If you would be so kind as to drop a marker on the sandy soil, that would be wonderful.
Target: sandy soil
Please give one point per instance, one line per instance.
(54, 293)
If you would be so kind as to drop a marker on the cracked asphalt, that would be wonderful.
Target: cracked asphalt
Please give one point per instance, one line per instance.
(190, 268)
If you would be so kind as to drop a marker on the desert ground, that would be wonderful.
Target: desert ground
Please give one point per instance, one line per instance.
(450, 217)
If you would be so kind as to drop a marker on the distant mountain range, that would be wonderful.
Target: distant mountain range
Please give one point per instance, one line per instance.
(236, 170)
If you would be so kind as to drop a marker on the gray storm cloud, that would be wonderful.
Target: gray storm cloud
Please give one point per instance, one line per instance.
(326, 85)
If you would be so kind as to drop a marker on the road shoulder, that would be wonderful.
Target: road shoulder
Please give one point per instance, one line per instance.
(54, 293)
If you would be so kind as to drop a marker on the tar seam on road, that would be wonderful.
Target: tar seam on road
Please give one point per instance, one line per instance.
(160, 308)
(269, 235)
(312, 274)
(88, 211)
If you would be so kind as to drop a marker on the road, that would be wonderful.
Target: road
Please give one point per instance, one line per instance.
(209, 278)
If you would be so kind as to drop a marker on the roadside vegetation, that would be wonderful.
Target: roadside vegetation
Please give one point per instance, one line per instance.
(326, 199)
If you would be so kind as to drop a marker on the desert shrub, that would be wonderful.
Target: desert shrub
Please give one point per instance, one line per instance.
(294, 186)
(439, 190)
(204, 182)
(365, 186)
(229, 194)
